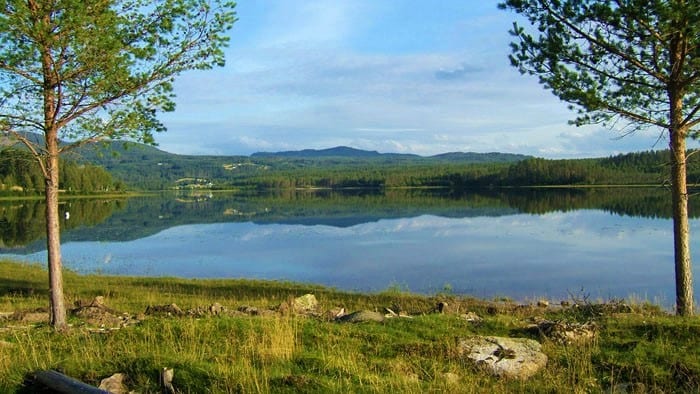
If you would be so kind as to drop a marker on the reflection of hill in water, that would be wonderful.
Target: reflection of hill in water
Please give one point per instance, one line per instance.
(22, 223)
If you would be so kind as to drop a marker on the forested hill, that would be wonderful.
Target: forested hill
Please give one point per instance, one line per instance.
(142, 167)
(145, 167)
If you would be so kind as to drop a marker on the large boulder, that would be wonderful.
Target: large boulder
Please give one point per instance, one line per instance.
(361, 317)
(516, 358)
(306, 304)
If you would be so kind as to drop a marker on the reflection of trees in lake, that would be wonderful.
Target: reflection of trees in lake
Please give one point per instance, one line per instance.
(21, 223)
(644, 202)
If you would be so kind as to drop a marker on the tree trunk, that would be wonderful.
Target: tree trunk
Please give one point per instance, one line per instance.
(681, 231)
(53, 239)
(678, 132)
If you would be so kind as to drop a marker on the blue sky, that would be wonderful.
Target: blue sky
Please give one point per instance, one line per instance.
(387, 75)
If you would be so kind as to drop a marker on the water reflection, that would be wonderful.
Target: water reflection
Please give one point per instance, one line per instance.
(610, 243)
(22, 222)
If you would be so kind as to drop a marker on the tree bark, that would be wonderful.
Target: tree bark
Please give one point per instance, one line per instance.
(681, 230)
(678, 132)
(53, 238)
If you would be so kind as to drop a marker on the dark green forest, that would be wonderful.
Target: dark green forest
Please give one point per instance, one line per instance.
(20, 174)
(128, 166)
(146, 168)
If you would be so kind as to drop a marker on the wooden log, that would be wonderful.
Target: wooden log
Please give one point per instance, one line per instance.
(65, 384)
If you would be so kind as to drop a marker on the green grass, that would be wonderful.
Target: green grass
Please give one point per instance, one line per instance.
(289, 354)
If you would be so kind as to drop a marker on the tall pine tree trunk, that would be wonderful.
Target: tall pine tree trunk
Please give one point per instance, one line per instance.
(678, 132)
(53, 237)
(679, 199)
(681, 231)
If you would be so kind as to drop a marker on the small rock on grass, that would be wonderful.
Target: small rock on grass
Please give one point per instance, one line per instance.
(114, 384)
(472, 317)
(169, 310)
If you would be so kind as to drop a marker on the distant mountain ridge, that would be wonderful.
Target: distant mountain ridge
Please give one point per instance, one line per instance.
(348, 152)
(338, 151)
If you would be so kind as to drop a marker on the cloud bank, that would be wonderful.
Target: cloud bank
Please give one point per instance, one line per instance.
(391, 77)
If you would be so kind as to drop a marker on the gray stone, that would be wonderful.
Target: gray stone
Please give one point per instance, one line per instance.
(306, 304)
(565, 333)
(216, 309)
(516, 358)
(114, 384)
(249, 310)
(472, 317)
(362, 316)
(168, 310)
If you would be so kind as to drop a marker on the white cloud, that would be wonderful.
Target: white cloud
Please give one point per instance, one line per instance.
(302, 77)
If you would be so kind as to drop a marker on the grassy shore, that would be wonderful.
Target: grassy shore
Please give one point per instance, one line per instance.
(636, 346)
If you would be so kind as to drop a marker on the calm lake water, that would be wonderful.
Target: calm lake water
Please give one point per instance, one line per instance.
(603, 243)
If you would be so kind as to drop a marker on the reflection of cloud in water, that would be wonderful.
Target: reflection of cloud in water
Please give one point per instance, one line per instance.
(516, 255)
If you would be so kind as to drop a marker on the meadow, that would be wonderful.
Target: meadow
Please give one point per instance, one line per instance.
(253, 345)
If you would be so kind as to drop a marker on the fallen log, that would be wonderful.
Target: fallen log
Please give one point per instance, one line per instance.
(65, 384)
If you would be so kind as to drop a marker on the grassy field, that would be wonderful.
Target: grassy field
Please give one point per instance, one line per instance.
(638, 347)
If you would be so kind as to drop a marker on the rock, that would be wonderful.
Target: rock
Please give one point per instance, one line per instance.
(216, 309)
(96, 316)
(389, 313)
(305, 305)
(249, 310)
(166, 380)
(114, 384)
(169, 310)
(516, 358)
(472, 317)
(565, 333)
(362, 316)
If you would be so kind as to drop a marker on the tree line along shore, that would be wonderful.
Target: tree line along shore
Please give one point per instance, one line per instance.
(20, 175)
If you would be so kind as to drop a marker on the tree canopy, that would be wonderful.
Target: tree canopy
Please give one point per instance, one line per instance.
(613, 59)
(83, 71)
(634, 61)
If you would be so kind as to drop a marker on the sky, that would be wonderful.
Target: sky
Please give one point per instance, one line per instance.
(403, 76)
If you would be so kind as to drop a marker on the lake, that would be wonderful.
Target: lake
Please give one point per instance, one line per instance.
(524, 245)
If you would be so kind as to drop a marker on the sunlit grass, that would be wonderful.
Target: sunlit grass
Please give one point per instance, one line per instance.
(282, 353)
